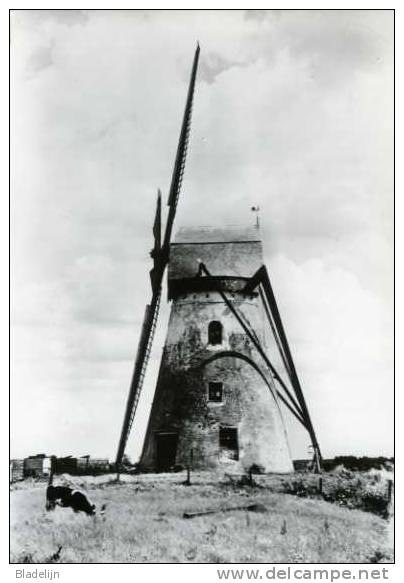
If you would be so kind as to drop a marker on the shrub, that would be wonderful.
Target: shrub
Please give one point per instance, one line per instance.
(352, 493)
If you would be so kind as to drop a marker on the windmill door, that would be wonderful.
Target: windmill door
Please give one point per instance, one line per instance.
(228, 442)
(166, 450)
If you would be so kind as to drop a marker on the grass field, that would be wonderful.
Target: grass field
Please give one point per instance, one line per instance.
(144, 523)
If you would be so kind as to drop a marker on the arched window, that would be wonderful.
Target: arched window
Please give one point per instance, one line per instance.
(215, 332)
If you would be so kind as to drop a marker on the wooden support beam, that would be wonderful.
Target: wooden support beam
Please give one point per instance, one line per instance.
(249, 507)
(261, 277)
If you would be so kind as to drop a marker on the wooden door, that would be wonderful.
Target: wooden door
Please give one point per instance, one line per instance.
(166, 451)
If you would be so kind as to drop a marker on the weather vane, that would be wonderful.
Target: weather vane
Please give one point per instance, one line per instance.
(255, 209)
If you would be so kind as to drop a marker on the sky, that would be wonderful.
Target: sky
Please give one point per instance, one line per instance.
(293, 112)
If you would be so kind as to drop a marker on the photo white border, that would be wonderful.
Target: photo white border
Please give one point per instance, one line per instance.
(165, 572)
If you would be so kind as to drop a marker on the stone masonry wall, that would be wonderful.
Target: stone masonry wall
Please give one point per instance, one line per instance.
(181, 402)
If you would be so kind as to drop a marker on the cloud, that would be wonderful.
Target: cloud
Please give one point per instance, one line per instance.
(41, 58)
(334, 43)
(213, 65)
(257, 15)
(64, 17)
(341, 337)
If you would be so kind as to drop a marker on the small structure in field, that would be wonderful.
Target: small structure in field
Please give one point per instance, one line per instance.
(37, 466)
(65, 465)
(16, 470)
(83, 463)
(99, 464)
(87, 464)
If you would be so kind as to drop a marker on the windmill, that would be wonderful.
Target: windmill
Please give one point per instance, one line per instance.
(218, 395)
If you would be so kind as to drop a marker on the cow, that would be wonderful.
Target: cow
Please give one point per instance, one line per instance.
(69, 498)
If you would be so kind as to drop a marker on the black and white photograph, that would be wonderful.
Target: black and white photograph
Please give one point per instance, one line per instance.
(201, 288)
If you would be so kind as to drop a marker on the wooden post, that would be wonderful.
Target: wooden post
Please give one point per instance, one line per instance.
(118, 471)
(320, 485)
(317, 461)
(389, 490)
(191, 459)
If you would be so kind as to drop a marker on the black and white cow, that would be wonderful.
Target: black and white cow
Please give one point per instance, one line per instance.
(69, 498)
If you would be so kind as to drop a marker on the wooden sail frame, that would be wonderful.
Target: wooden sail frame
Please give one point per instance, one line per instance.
(160, 257)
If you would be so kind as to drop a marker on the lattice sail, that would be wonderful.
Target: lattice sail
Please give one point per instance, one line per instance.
(160, 258)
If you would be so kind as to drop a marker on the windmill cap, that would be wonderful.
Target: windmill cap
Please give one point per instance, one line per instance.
(217, 234)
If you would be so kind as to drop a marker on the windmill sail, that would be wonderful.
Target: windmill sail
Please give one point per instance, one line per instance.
(160, 258)
(180, 158)
(157, 227)
(156, 251)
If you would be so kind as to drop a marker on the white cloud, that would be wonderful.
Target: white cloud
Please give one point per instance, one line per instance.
(342, 340)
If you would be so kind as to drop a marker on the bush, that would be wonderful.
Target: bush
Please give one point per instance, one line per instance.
(358, 464)
(298, 487)
(345, 491)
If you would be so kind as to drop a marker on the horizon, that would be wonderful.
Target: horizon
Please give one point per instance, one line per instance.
(309, 458)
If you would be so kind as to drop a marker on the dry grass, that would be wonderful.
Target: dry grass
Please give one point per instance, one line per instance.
(144, 523)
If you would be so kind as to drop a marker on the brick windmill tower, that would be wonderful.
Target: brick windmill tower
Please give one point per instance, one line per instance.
(219, 399)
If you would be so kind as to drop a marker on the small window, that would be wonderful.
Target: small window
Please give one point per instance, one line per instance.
(228, 442)
(215, 332)
(215, 392)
